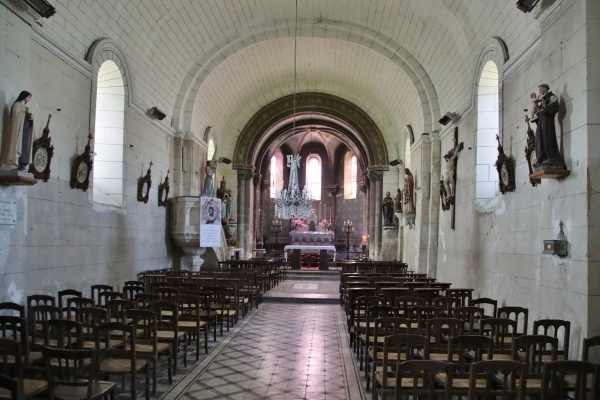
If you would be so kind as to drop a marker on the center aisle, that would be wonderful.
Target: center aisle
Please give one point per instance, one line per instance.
(280, 351)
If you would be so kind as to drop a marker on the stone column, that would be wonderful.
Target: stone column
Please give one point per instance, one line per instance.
(434, 214)
(375, 211)
(244, 211)
(257, 210)
(423, 205)
(400, 238)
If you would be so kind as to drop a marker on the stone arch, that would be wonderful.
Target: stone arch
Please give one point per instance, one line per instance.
(391, 49)
(366, 135)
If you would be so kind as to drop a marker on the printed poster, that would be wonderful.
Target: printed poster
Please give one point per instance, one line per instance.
(210, 222)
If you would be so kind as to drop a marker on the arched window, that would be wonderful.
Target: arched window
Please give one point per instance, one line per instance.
(275, 173)
(350, 175)
(109, 135)
(210, 152)
(488, 122)
(313, 176)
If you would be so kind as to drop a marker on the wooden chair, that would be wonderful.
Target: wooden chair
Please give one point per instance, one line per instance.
(190, 320)
(144, 299)
(518, 314)
(64, 295)
(71, 376)
(416, 379)
(366, 339)
(108, 295)
(89, 318)
(578, 380)
(465, 295)
(439, 331)
(558, 328)
(117, 309)
(470, 316)
(120, 358)
(396, 348)
(129, 292)
(589, 344)
(491, 379)
(502, 331)
(63, 334)
(75, 303)
(463, 350)
(167, 324)
(12, 309)
(384, 326)
(359, 319)
(97, 289)
(447, 304)
(38, 316)
(33, 302)
(16, 328)
(420, 314)
(405, 303)
(12, 370)
(532, 350)
(146, 345)
(490, 306)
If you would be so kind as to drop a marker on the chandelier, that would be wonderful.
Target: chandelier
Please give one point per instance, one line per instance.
(293, 202)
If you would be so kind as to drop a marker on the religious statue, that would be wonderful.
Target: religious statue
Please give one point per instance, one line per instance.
(388, 209)
(211, 167)
(399, 201)
(546, 145)
(227, 205)
(450, 174)
(408, 192)
(18, 139)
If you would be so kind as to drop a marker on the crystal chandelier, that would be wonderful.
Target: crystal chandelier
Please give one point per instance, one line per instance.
(293, 202)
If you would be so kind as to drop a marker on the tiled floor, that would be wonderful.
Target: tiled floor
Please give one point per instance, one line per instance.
(279, 351)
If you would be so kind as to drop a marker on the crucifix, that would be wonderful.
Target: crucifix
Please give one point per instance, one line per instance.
(448, 187)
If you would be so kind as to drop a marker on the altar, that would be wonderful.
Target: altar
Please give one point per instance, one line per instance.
(324, 238)
(297, 250)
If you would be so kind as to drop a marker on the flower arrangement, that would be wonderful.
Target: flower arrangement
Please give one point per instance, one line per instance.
(231, 242)
(297, 224)
(326, 224)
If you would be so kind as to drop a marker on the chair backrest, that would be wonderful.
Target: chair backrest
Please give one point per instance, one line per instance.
(589, 344)
(97, 289)
(447, 304)
(464, 349)
(115, 339)
(89, 318)
(10, 308)
(144, 299)
(404, 346)
(75, 303)
(145, 326)
(578, 380)
(490, 306)
(63, 333)
(16, 329)
(536, 351)
(470, 316)
(519, 314)
(421, 376)
(63, 295)
(465, 295)
(497, 378)
(117, 309)
(420, 314)
(439, 330)
(129, 292)
(501, 330)
(558, 328)
(69, 368)
(108, 295)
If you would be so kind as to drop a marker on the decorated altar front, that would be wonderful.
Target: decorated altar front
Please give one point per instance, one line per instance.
(311, 238)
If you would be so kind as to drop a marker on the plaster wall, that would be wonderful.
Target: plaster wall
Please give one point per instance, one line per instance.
(499, 252)
(62, 239)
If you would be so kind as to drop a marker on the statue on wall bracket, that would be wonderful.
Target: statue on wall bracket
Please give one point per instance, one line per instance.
(448, 184)
(548, 162)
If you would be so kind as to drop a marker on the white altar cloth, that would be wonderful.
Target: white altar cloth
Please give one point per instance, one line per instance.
(311, 238)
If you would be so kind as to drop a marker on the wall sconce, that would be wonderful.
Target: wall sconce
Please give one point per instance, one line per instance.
(395, 163)
(156, 113)
(526, 5)
(449, 116)
(558, 247)
(42, 7)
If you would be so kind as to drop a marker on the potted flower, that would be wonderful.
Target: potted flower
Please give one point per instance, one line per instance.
(325, 224)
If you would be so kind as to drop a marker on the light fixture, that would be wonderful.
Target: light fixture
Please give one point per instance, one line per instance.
(42, 7)
(526, 5)
(156, 113)
(396, 162)
(449, 116)
(293, 202)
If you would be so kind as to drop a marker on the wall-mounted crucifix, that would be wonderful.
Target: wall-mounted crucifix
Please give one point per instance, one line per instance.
(448, 184)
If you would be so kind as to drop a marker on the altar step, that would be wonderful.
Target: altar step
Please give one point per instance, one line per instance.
(313, 275)
(302, 289)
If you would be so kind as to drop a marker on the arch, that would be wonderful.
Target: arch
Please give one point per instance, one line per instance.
(391, 49)
(111, 91)
(363, 135)
(488, 105)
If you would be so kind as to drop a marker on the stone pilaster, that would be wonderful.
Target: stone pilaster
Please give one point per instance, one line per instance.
(375, 213)
(434, 204)
(244, 211)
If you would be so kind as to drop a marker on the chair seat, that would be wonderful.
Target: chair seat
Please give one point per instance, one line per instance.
(99, 388)
(148, 348)
(169, 335)
(190, 324)
(31, 387)
(460, 383)
(120, 365)
(531, 384)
